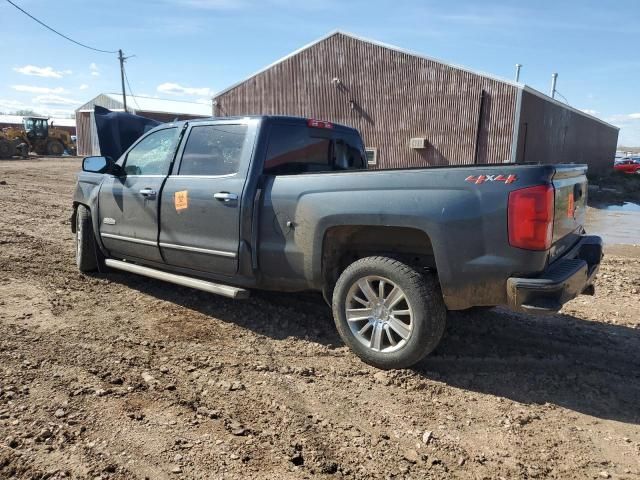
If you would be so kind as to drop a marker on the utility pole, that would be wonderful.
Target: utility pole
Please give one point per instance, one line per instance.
(518, 67)
(124, 93)
(554, 80)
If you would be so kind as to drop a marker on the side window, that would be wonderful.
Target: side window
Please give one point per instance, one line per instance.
(213, 150)
(296, 149)
(152, 156)
(348, 153)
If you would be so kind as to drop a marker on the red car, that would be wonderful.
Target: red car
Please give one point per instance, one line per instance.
(628, 165)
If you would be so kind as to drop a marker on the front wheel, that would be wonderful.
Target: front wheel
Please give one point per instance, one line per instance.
(388, 313)
(55, 147)
(89, 258)
(7, 150)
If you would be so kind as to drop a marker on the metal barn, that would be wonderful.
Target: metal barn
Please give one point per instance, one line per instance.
(155, 108)
(413, 110)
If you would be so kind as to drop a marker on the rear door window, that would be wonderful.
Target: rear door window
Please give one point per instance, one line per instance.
(299, 149)
(292, 149)
(213, 150)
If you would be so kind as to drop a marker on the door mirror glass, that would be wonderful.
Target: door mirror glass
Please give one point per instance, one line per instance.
(98, 164)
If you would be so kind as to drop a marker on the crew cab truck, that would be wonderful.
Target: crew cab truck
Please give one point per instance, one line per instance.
(227, 205)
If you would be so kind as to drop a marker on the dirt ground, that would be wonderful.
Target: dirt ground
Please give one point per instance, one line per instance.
(119, 376)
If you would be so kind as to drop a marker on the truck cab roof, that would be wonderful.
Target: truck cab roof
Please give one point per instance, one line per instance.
(268, 118)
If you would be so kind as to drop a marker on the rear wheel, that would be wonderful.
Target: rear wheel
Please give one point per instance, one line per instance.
(389, 314)
(89, 258)
(55, 147)
(7, 149)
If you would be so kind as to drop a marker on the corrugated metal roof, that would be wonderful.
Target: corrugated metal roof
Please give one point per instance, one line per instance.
(374, 42)
(160, 105)
(17, 119)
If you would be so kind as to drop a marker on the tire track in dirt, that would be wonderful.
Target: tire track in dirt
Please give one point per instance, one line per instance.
(152, 378)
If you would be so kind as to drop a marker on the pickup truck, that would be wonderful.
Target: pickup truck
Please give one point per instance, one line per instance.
(227, 205)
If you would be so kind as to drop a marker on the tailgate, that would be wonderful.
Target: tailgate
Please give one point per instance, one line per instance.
(570, 184)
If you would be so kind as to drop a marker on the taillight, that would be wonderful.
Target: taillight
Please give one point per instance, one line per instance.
(319, 123)
(530, 217)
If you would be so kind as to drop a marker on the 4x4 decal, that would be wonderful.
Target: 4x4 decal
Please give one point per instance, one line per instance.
(478, 179)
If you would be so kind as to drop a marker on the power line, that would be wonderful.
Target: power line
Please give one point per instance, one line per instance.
(57, 32)
(130, 90)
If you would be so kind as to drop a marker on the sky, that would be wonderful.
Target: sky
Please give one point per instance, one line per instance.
(189, 49)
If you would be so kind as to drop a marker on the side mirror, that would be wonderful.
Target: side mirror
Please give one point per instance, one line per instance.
(100, 165)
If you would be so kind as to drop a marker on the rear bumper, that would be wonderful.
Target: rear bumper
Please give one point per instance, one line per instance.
(563, 280)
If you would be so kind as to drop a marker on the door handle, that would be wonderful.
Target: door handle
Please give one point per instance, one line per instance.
(147, 192)
(225, 197)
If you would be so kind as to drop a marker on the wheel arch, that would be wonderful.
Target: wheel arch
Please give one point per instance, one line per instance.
(344, 244)
(95, 222)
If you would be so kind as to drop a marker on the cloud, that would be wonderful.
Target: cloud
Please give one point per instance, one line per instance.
(10, 105)
(623, 118)
(54, 100)
(34, 89)
(589, 111)
(84, 86)
(47, 72)
(176, 89)
(95, 71)
(629, 124)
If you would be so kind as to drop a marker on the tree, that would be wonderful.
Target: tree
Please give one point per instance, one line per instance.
(27, 113)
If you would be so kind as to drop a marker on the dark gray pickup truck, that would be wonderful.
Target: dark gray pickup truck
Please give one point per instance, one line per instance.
(227, 205)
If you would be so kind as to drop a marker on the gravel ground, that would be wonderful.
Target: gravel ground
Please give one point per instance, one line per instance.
(118, 376)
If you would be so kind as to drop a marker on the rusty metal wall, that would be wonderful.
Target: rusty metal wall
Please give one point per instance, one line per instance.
(390, 96)
(553, 133)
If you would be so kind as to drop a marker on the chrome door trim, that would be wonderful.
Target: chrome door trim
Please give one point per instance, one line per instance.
(128, 239)
(220, 253)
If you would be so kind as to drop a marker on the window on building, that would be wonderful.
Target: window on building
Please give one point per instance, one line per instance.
(372, 156)
(213, 150)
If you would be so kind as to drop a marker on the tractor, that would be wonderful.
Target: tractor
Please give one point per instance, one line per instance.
(36, 136)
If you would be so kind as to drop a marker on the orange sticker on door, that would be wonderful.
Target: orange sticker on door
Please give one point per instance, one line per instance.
(181, 200)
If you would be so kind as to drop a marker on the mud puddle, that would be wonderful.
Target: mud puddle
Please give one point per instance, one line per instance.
(615, 223)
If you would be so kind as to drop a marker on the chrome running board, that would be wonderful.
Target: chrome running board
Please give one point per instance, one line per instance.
(217, 288)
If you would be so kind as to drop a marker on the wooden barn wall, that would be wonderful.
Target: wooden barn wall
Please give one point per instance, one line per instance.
(395, 96)
(83, 136)
(551, 133)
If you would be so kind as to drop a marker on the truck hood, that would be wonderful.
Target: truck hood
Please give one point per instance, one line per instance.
(118, 130)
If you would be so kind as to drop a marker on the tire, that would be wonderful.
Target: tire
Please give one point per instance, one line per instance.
(89, 258)
(55, 147)
(7, 149)
(415, 323)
